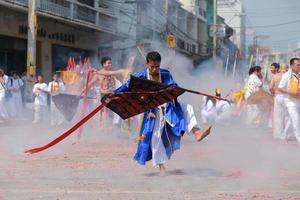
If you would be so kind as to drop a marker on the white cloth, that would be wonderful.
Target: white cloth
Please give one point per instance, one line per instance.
(279, 117)
(56, 118)
(295, 119)
(15, 102)
(284, 84)
(292, 104)
(253, 112)
(40, 113)
(253, 85)
(40, 91)
(3, 110)
(224, 112)
(159, 155)
(208, 112)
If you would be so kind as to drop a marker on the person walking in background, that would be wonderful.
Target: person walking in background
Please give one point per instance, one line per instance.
(279, 110)
(40, 91)
(14, 85)
(55, 87)
(289, 85)
(3, 88)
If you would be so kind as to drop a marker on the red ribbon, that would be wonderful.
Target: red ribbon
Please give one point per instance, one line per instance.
(67, 133)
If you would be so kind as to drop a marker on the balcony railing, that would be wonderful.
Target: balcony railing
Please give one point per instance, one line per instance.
(72, 10)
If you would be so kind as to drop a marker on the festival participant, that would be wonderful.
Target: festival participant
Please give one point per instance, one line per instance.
(55, 87)
(290, 87)
(107, 84)
(254, 84)
(14, 86)
(224, 109)
(3, 88)
(123, 75)
(209, 111)
(279, 114)
(40, 91)
(162, 127)
(274, 68)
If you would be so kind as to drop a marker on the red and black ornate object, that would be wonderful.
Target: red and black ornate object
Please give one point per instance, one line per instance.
(143, 95)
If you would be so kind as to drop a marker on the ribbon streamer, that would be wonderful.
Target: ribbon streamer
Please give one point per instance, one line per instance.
(67, 133)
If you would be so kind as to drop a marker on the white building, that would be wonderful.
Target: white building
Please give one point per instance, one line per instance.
(234, 14)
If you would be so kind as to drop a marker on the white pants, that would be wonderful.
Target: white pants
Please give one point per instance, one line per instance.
(159, 155)
(294, 113)
(16, 105)
(209, 117)
(3, 111)
(56, 117)
(40, 113)
(253, 114)
(279, 117)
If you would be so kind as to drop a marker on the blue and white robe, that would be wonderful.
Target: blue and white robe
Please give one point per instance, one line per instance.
(163, 132)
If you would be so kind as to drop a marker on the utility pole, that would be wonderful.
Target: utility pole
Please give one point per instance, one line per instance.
(31, 47)
(31, 39)
(214, 29)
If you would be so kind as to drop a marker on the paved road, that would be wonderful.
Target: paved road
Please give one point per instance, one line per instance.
(233, 163)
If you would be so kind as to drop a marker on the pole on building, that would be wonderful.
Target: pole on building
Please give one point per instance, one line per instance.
(214, 29)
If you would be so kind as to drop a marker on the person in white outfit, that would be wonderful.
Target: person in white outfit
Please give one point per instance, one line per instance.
(40, 91)
(55, 87)
(290, 86)
(16, 105)
(3, 87)
(209, 111)
(215, 111)
(279, 110)
(254, 84)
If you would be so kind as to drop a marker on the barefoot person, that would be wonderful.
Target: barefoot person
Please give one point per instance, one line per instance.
(162, 127)
(290, 87)
(279, 114)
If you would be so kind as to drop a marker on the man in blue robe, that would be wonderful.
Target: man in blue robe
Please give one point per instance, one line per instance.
(162, 127)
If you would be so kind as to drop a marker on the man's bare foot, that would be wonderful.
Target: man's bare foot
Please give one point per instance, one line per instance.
(200, 134)
(162, 170)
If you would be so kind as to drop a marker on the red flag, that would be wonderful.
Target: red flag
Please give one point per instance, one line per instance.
(67, 133)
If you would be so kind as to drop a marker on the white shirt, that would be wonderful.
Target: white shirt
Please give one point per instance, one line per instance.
(41, 98)
(285, 84)
(253, 85)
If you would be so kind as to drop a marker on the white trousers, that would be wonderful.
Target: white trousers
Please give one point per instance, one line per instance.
(3, 111)
(56, 117)
(159, 155)
(40, 113)
(279, 117)
(252, 114)
(16, 105)
(294, 113)
(209, 117)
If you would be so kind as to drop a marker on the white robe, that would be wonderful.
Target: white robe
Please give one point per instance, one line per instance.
(3, 110)
(159, 155)
(15, 102)
(253, 112)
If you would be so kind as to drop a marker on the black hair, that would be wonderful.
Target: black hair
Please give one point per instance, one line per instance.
(254, 69)
(276, 65)
(41, 75)
(292, 61)
(104, 59)
(153, 56)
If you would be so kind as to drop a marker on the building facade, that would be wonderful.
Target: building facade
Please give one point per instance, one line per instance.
(234, 14)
